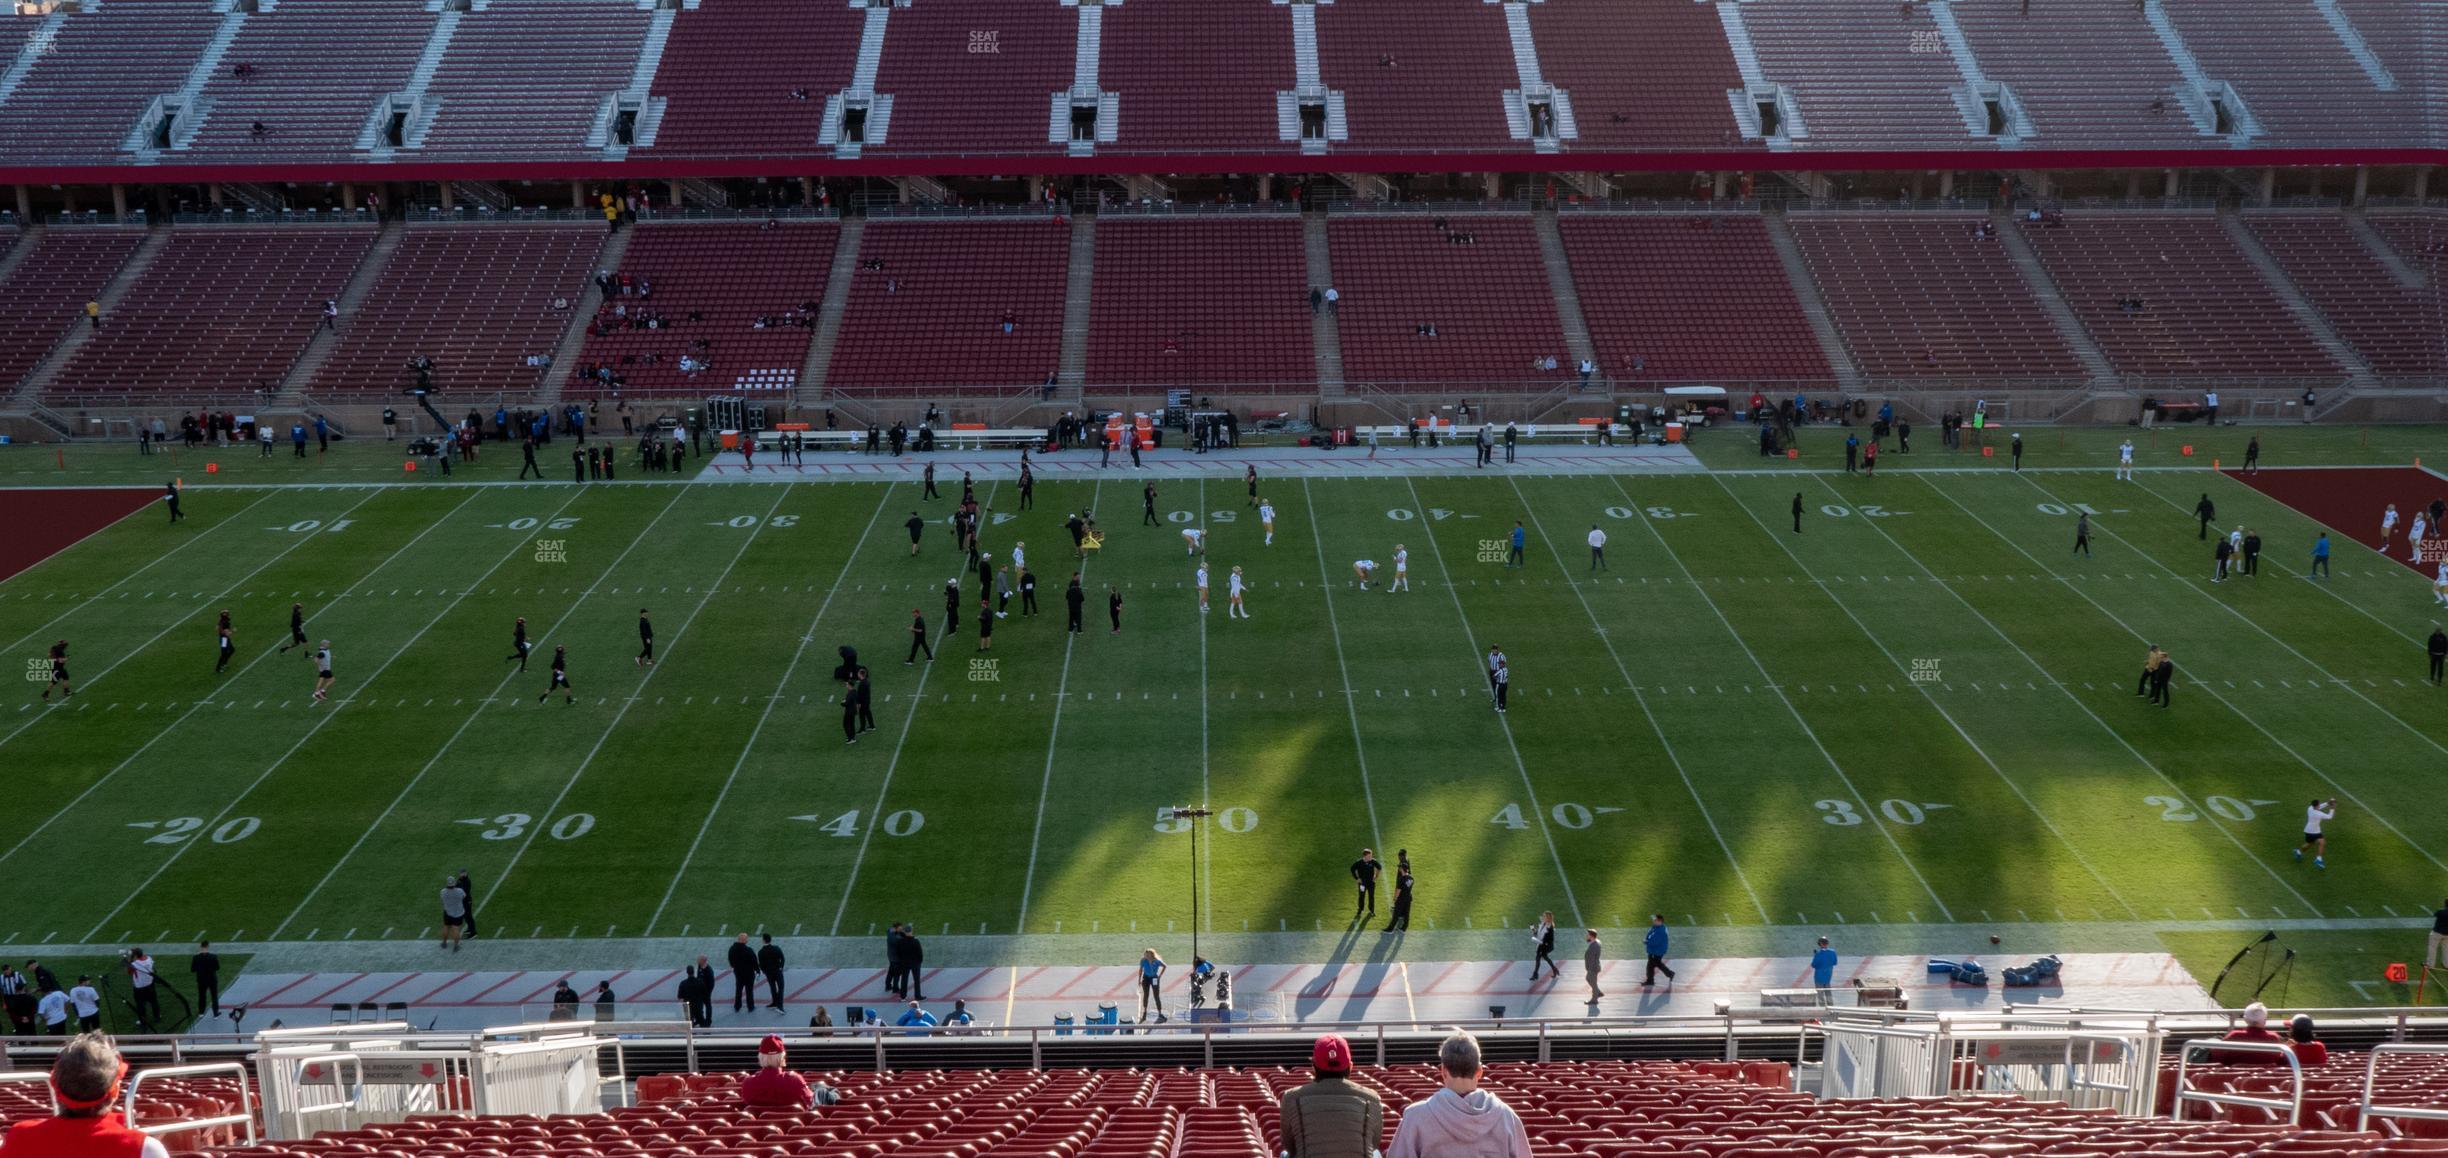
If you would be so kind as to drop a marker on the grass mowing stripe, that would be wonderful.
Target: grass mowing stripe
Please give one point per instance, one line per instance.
(1045, 787)
(1351, 705)
(2122, 742)
(550, 812)
(472, 716)
(192, 709)
(130, 577)
(805, 637)
(1905, 669)
(2256, 723)
(1638, 698)
(182, 850)
(1869, 812)
(1470, 644)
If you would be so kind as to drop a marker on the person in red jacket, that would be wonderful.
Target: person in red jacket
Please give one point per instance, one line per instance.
(85, 1079)
(2309, 1051)
(772, 1084)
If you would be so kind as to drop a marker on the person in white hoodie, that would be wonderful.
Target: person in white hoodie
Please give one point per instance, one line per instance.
(1461, 1120)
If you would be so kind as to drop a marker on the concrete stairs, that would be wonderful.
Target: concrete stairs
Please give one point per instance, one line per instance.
(361, 286)
(2194, 98)
(2352, 38)
(2384, 253)
(573, 339)
(31, 53)
(1567, 296)
(190, 113)
(1325, 330)
(15, 255)
(47, 371)
(819, 362)
(411, 99)
(1072, 372)
(2358, 371)
(1814, 307)
(2061, 315)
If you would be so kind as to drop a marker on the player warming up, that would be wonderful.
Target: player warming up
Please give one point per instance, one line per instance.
(1266, 520)
(645, 655)
(1364, 570)
(518, 643)
(59, 672)
(2124, 469)
(2321, 812)
(229, 645)
(297, 627)
(1234, 587)
(1402, 571)
(323, 672)
(560, 677)
(1202, 586)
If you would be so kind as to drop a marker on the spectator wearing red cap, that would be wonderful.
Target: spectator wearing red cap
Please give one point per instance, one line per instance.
(771, 1084)
(1332, 1117)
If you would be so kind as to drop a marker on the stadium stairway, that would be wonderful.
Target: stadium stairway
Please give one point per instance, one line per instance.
(1326, 336)
(47, 371)
(2061, 316)
(361, 286)
(829, 316)
(574, 333)
(2356, 223)
(2358, 370)
(1560, 283)
(14, 255)
(1072, 374)
(1814, 307)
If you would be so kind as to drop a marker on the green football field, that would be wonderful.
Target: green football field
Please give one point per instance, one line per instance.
(1919, 710)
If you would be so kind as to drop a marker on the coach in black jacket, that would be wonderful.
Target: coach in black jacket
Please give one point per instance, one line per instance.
(743, 962)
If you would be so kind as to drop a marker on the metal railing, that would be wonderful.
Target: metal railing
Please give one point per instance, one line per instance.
(2291, 1106)
(2369, 1110)
(246, 1100)
(37, 1077)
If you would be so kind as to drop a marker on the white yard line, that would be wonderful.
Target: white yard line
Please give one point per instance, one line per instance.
(473, 714)
(1206, 795)
(1351, 695)
(893, 764)
(1599, 626)
(1778, 690)
(1905, 669)
(192, 708)
(2119, 737)
(1045, 787)
(332, 712)
(157, 560)
(1470, 643)
(805, 637)
(544, 818)
(2247, 717)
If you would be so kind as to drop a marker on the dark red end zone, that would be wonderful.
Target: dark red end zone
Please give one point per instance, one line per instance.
(2350, 499)
(37, 524)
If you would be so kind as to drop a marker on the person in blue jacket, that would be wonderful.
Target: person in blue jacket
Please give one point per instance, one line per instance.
(1823, 965)
(1655, 945)
(918, 1020)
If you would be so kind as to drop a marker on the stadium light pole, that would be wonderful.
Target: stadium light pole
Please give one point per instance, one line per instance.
(1193, 816)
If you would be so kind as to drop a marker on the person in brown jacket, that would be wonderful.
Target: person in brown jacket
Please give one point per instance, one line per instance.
(1332, 1117)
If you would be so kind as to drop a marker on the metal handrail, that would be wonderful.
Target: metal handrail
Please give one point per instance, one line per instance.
(2367, 1110)
(35, 1076)
(2184, 1060)
(355, 1088)
(246, 1100)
